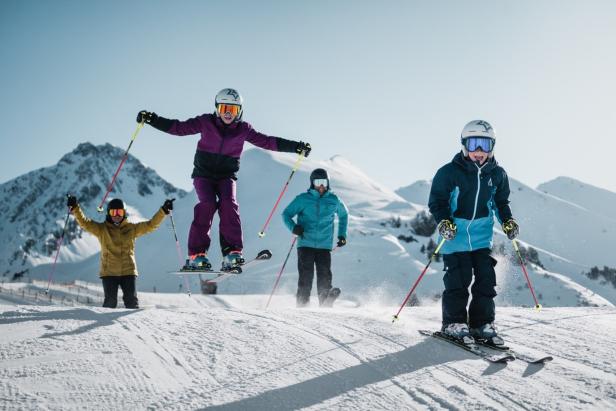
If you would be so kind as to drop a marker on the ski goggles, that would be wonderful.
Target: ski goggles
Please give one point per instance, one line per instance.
(485, 144)
(117, 211)
(318, 182)
(229, 108)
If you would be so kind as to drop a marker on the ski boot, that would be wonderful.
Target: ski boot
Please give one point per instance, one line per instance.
(458, 332)
(232, 262)
(197, 262)
(487, 334)
(327, 297)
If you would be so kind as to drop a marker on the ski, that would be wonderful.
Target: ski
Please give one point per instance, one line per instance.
(472, 348)
(522, 357)
(261, 255)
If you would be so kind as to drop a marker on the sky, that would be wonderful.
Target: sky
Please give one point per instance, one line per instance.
(388, 85)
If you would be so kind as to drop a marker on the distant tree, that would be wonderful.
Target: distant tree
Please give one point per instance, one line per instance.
(607, 274)
(423, 224)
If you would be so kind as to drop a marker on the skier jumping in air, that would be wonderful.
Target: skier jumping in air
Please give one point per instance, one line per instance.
(216, 163)
(466, 195)
(117, 239)
(315, 211)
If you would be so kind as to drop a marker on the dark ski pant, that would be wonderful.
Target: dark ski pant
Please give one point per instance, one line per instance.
(129, 293)
(307, 259)
(459, 270)
(215, 195)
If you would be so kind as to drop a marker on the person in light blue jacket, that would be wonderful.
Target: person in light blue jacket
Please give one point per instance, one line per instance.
(315, 211)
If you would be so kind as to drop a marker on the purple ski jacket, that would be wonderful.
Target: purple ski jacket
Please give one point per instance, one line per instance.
(220, 147)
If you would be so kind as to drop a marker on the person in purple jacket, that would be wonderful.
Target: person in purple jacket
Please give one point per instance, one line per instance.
(216, 163)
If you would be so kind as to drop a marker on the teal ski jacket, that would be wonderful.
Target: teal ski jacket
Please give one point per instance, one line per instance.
(315, 213)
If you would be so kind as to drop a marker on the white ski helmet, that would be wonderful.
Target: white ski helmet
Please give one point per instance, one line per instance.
(477, 128)
(229, 96)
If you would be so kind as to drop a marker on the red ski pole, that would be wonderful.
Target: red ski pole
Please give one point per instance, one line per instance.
(280, 273)
(124, 157)
(419, 279)
(530, 286)
(284, 188)
(58, 245)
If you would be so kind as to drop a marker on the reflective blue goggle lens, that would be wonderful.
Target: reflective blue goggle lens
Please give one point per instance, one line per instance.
(320, 182)
(486, 144)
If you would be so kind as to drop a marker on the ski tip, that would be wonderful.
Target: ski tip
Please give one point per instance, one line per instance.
(264, 255)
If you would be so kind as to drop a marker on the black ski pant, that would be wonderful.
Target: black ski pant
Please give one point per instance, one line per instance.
(129, 293)
(307, 259)
(459, 270)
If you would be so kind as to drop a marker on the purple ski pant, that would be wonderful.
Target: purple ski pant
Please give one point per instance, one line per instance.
(215, 195)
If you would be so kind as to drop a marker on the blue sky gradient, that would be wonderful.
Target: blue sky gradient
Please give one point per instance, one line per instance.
(389, 85)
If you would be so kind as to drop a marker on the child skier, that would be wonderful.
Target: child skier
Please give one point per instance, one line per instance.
(315, 211)
(216, 163)
(466, 195)
(117, 239)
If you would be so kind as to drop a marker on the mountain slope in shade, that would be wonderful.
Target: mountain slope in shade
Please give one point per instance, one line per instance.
(33, 205)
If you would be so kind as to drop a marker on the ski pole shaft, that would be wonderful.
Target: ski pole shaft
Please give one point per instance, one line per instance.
(124, 157)
(530, 286)
(419, 279)
(280, 273)
(284, 188)
(179, 249)
(58, 246)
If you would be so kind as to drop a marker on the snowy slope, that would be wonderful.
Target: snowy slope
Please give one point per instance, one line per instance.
(228, 353)
(597, 200)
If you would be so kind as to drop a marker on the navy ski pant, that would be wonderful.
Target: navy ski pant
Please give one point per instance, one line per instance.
(307, 259)
(129, 293)
(459, 270)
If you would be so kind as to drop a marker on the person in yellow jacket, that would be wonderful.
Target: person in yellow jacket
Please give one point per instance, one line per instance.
(117, 239)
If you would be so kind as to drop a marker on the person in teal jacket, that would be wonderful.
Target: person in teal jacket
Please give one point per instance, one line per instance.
(315, 211)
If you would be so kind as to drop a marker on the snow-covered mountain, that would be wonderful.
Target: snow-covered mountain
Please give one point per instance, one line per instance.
(33, 206)
(382, 259)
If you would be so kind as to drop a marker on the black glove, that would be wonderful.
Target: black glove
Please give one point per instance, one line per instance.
(511, 228)
(305, 147)
(145, 116)
(447, 229)
(168, 206)
(156, 121)
(71, 201)
(298, 230)
(341, 241)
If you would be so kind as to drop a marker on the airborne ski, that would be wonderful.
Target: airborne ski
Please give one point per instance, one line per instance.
(472, 348)
(262, 255)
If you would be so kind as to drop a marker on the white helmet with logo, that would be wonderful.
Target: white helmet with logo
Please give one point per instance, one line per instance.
(477, 128)
(229, 96)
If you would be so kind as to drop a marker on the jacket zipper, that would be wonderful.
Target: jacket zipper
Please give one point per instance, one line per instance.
(468, 233)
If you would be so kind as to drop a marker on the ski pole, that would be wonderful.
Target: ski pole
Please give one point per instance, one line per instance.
(124, 157)
(419, 279)
(177, 246)
(58, 245)
(530, 286)
(284, 188)
(281, 270)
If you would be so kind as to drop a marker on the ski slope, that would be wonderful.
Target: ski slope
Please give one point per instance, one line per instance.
(228, 353)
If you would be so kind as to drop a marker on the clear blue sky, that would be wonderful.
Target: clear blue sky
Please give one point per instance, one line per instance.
(389, 85)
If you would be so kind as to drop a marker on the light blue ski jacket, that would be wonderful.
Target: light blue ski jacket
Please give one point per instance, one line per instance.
(316, 214)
